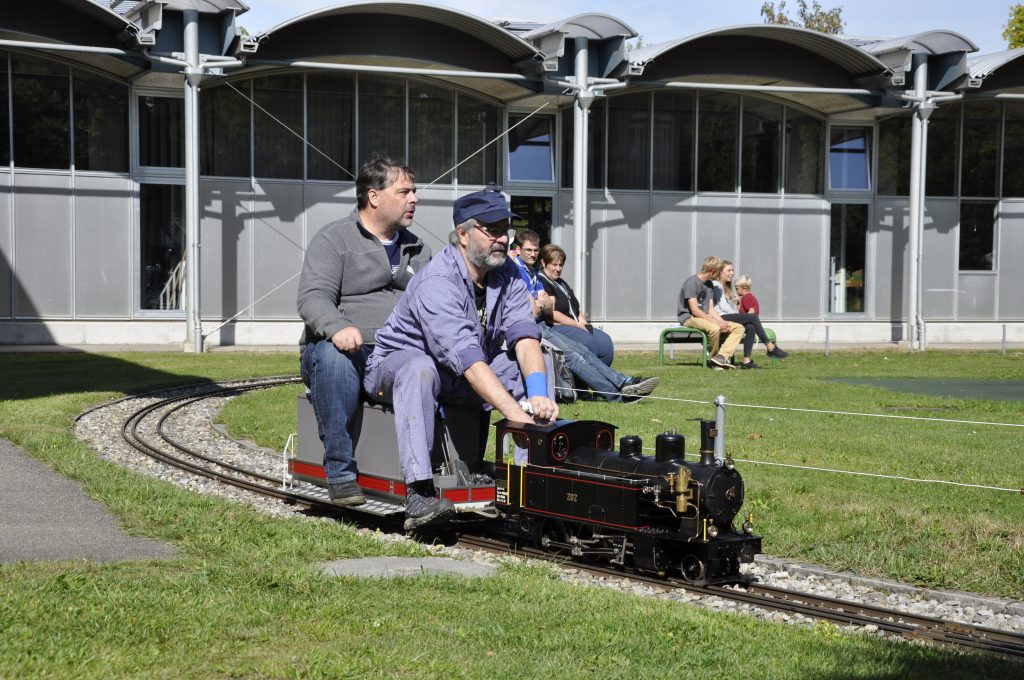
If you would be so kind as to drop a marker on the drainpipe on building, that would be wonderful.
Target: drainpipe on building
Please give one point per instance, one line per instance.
(918, 151)
(581, 120)
(193, 78)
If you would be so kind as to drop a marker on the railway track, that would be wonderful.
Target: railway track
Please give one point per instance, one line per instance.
(146, 431)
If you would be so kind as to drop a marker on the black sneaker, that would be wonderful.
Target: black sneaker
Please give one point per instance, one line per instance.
(749, 364)
(346, 493)
(778, 353)
(420, 510)
(639, 386)
(720, 361)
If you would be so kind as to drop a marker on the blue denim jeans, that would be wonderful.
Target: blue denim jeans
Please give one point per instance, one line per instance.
(334, 379)
(585, 366)
(598, 342)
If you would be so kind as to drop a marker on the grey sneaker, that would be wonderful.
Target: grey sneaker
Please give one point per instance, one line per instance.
(639, 386)
(420, 510)
(720, 361)
(346, 493)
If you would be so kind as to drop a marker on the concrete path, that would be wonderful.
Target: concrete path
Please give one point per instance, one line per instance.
(46, 517)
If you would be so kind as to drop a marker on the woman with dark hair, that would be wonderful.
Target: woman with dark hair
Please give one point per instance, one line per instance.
(727, 302)
(568, 318)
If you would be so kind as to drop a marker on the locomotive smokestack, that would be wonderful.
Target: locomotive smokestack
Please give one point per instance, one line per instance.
(707, 442)
(631, 445)
(669, 446)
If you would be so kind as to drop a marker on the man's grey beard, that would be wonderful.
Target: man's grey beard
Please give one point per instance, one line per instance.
(487, 260)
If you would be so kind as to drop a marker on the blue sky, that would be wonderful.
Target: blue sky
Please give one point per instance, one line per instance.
(981, 21)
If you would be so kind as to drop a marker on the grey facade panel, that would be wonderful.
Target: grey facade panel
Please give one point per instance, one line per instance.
(226, 254)
(276, 226)
(672, 255)
(1010, 253)
(562, 234)
(758, 255)
(433, 222)
(716, 227)
(6, 253)
(42, 236)
(103, 241)
(595, 303)
(803, 274)
(977, 299)
(886, 270)
(624, 234)
(938, 259)
(326, 203)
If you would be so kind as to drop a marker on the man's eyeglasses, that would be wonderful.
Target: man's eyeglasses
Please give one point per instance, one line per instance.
(494, 231)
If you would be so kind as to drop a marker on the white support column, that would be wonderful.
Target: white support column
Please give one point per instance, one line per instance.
(917, 175)
(193, 78)
(581, 110)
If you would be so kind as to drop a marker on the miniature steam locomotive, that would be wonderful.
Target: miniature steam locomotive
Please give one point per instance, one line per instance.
(572, 493)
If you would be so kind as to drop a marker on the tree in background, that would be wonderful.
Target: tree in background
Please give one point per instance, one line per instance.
(813, 17)
(1013, 31)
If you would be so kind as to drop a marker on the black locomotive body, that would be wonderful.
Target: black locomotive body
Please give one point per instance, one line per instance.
(659, 513)
(573, 493)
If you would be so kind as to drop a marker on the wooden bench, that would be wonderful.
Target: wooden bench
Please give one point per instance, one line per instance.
(676, 334)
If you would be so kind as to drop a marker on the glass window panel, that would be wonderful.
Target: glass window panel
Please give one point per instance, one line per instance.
(162, 132)
(5, 135)
(894, 156)
(331, 106)
(595, 145)
(981, 149)
(1013, 153)
(847, 258)
(431, 132)
(42, 134)
(673, 140)
(943, 133)
(849, 159)
(805, 144)
(225, 128)
(629, 141)
(478, 149)
(762, 146)
(717, 145)
(381, 117)
(278, 148)
(161, 246)
(101, 123)
(977, 236)
(529, 147)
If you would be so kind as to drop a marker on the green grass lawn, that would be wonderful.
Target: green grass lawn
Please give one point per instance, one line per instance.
(244, 599)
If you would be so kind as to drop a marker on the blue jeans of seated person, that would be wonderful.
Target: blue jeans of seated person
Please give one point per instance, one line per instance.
(334, 379)
(598, 342)
(585, 366)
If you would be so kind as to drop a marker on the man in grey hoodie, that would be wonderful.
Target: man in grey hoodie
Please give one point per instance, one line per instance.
(353, 274)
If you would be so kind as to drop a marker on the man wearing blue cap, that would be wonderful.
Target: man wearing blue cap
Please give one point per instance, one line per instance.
(463, 333)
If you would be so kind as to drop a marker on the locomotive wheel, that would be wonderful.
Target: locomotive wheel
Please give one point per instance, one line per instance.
(586, 533)
(553, 530)
(693, 569)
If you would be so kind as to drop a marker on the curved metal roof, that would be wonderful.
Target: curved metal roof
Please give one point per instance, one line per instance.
(851, 59)
(591, 25)
(983, 66)
(930, 42)
(516, 48)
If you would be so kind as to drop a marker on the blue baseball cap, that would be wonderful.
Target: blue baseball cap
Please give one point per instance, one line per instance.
(485, 206)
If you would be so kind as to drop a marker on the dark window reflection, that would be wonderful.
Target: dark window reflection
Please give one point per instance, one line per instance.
(595, 145)
(805, 146)
(478, 127)
(894, 156)
(629, 141)
(101, 123)
(381, 117)
(981, 149)
(762, 142)
(331, 116)
(849, 160)
(943, 135)
(41, 114)
(161, 246)
(5, 136)
(847, 258)
(529, 147)
(431, 126)
(225, 128)
(673, 140)
(279, 146)
(977, 236)
(1013, 153)
(161, 132)
(717, 131)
